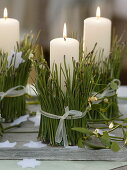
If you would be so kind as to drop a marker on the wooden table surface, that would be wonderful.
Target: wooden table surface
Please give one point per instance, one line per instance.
(27, 132)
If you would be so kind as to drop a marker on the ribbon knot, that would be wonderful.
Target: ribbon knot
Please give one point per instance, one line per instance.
(61, 129)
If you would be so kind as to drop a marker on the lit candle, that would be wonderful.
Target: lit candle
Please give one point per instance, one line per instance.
(97, 30)
(9, 33)
(61, 47)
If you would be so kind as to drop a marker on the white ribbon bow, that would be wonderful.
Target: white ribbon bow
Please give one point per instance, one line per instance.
(61, 129)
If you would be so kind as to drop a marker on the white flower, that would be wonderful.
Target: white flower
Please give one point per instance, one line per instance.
(111, 125)
(31, 56)
(98, 131)
(106, 100)
(15, 59)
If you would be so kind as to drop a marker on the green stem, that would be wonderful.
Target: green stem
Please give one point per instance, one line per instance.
(117, 140)
(32, 102)
(114, 128)
(117, 137)
(98, 127)
(122, 98)
(10, 127)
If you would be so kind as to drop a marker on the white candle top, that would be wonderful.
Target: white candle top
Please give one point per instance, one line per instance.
(64, 41)
(8, 21)
(63, 49)
(58, 41)
(92, 20)
(98, 19)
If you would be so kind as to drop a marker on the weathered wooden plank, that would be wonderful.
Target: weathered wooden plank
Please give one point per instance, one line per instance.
(51, 153)
(54, 153)
(22, 137)
(18, 130)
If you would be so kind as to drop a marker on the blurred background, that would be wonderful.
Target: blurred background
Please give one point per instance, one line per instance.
(50, 15)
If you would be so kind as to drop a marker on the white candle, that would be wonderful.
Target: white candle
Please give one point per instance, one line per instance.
(97, 30)
(9, 33)
(61, 47)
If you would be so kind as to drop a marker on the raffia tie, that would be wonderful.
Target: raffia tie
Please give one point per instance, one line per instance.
(108, 92)
(61, 129)
(13, 92)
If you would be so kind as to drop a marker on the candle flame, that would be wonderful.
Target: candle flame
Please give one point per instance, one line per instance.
(5, 13)
(65, 31)
(98, 12)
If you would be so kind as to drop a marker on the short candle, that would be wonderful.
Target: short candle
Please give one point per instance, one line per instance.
(61, 47)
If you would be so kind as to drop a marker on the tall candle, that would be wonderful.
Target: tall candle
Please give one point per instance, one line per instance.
(9, 33)
(61, 47)
(97, 30)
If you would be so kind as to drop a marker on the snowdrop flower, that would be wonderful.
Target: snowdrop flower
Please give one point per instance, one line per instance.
(15, 59)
